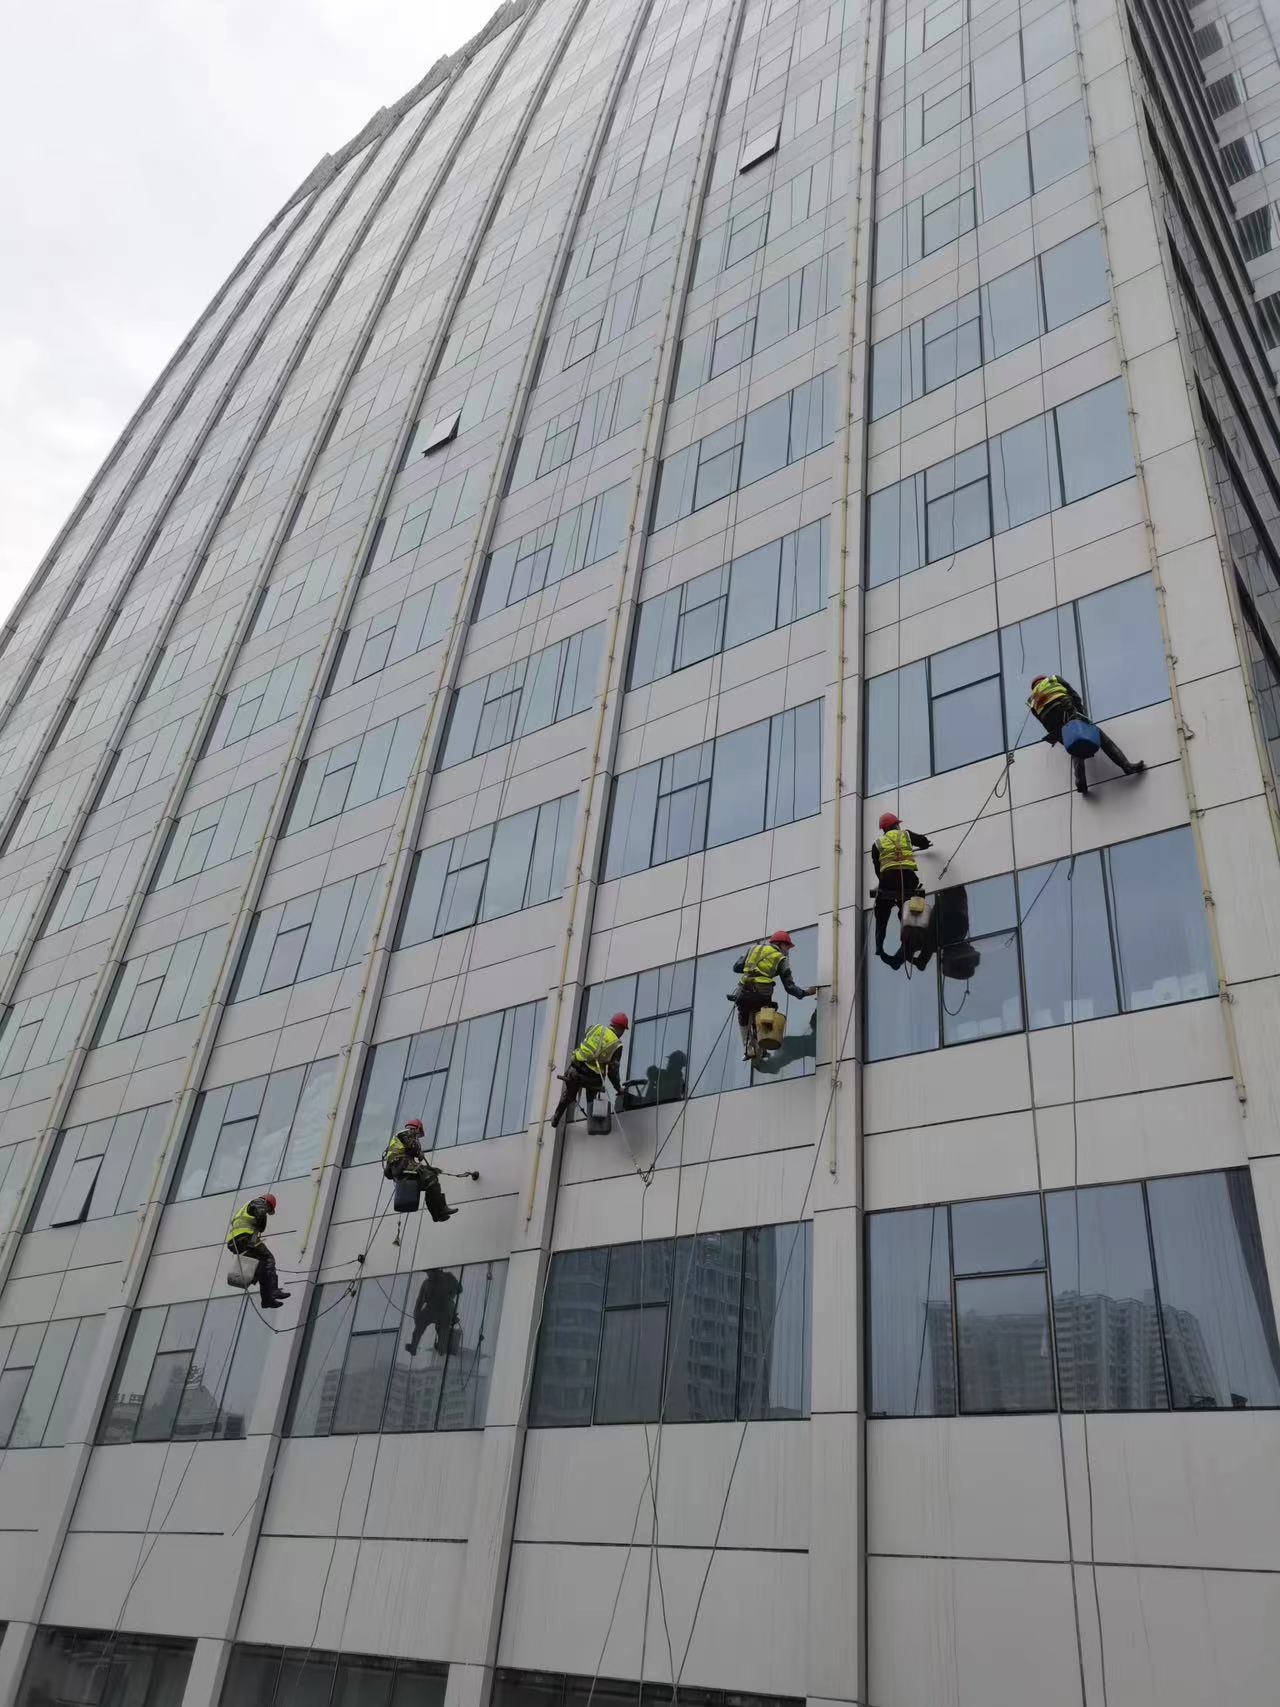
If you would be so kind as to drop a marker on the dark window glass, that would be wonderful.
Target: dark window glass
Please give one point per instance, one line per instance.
(1004, 177)
(721, 1320)
(909, 1320)
(70, 1667)
(1162, 938)
(1106, 1321)
(1024, 474)
(898, 727)
(1066, 941)
(1215, 1300)
(901, 1014)
(414, 1354)
(1059, 145)
(569, 1339)
(1094, 441)
(1124, 654)
(275, 1677)
(1005, 1345)
(997, 1233)
(990, 1003)
(187, 1371)
(1074, 275)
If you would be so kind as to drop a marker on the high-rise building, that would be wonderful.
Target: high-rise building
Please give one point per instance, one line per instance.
(670, 438)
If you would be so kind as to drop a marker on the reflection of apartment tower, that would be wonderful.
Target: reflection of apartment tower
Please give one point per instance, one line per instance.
(1005, 1361)
(1109, 1355)
(1191, 1369)
(567, 1358)
(940, 1351)
(704, 1327)
(772, 1360)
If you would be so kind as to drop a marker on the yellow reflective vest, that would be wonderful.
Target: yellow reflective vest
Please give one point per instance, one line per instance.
(896, 852)
(243, 1222)
(762, 963)
(598, 1048)
(1051, 691)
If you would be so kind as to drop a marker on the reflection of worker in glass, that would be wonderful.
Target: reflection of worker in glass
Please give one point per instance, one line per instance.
(436, 1306)
(660, 1084)
(945, 932)
(795, 1046)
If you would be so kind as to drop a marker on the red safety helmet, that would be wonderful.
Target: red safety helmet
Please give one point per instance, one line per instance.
(269, 1198)
(414, 1126)
(1036, 680)
(782, 939)
(619, 1022)
(889, 820)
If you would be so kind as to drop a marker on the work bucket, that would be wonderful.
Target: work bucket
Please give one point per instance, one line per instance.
(242, 1272)
(771, 1028)
(1081, 738)
(599, 1115)
(407, 1193)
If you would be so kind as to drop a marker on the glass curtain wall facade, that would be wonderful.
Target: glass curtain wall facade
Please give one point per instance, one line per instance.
(668, 438)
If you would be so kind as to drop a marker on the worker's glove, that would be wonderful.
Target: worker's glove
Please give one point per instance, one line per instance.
(812, 990)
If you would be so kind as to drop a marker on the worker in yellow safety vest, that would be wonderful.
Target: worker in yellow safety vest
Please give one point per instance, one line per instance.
(758, 969)
(405, 1155)
(1053, 702)
(595, 1059)
(244, 1237)
(898, 876)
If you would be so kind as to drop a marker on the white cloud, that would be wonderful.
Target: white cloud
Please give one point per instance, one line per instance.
(147, 142)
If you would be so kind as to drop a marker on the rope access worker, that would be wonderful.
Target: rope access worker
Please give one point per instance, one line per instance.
(898, 875)
(245, 1239)
(595, 1058)
(404, 1156)
(757, 969)
(436, 1306)
(1053, 702)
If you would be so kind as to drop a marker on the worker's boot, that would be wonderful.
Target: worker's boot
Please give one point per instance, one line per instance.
(434, 1198)
(1082, 781)
(269, 1286)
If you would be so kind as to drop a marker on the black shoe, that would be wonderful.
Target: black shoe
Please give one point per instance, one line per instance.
(1082, 788)
(1137, 768)
(274, 1303)
(411, 1348)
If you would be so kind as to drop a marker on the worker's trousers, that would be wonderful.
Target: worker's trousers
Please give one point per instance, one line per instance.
(749, 999)
(577, 1078)
(1054, 726)
(251, 1245)
(893, 889)
(429, 1179)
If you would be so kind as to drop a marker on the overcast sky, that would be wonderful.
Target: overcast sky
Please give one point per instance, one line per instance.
(145, 143)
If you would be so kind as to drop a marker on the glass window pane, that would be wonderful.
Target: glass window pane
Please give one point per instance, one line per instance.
(1024, 479)
(898, 747)
(773, 1371)
(132, 1375)
(1124, 661)
(1058, 146)
(631, 822)
(738, 784)
(240, 1388)
(631, 1354)
(163, 1395)
(1004, 1343)
(464, 1396)
(653, 654)
(315, 1391)
(900, 1014)
(1074, 274)
(1161, 933)
(1004, 178)
(766, 438)
(702, 1349)
(967, 725)
(997, 1233)
(1104, 1301)
(413, 1402)
(1094, 441)
(58, 1429)
(210, 1363)
(42, 1389)
(753, 594)
(1011, 310)
(715, 1057)
(1070, 974)
(795, 754)
(569, 1339)
(909, 1314)
(895, 531)
(990, 1005)
(1215, 1300)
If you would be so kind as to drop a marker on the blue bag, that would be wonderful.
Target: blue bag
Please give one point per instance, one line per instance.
(1081, 738)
